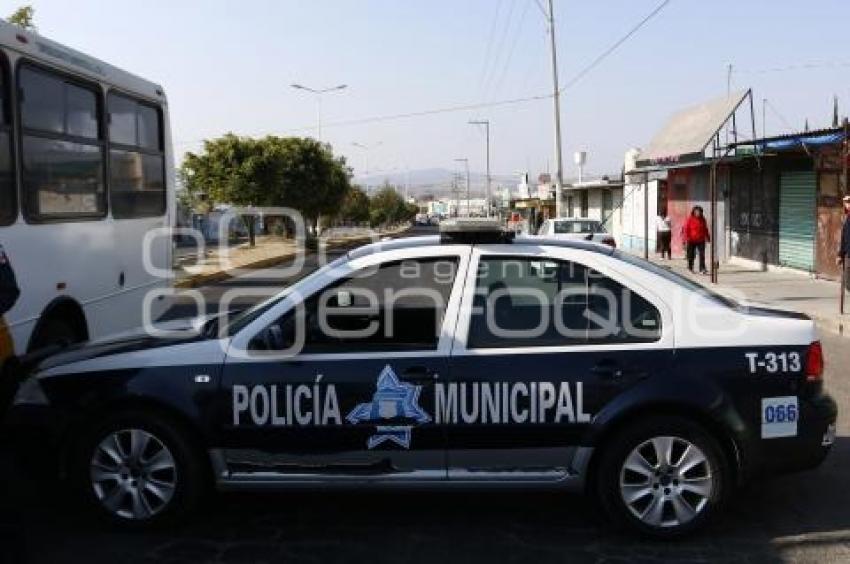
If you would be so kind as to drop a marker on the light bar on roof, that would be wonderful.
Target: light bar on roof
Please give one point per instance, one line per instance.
(473, 230)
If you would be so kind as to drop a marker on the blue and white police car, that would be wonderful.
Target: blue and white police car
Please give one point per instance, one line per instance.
(466, 359)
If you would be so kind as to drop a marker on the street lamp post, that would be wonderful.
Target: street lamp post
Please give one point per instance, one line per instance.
(465, 161)
(366, 148)
(486, 124)
(318, 93)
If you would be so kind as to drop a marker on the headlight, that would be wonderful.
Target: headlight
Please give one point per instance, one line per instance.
(30, 393)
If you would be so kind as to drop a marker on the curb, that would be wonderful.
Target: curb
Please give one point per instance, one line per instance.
(196, 280)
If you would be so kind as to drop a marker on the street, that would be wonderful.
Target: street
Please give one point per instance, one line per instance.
(200, 365)
(799, 517)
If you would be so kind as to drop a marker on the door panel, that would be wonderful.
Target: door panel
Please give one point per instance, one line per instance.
(543, 405)
(545, 343)
(356, 401)
(321, 417)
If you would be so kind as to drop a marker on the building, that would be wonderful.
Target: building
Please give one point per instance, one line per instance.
(450, 207)
(594, 199)
(770, 201)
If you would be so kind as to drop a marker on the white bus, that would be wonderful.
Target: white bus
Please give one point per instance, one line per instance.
(86, 170)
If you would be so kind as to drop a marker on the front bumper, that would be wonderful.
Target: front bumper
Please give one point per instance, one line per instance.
(806, 450)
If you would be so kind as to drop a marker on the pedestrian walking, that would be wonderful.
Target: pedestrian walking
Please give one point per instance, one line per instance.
(696, 235)
(663, 233)
(844, 245)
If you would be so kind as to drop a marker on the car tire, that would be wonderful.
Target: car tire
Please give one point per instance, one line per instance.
(663, 476)
(139, 470)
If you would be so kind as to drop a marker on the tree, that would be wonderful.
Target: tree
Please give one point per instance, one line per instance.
(24, 17)
(271, 172)
(387, 206)
(355, 206)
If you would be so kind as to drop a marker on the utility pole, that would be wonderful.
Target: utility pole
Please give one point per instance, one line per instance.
(486, 124)
(318, 93)
(763, 118)
(465, 161)
(556, 97)
(366, 148)
(456, 193)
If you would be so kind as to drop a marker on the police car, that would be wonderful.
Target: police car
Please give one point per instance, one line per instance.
(468, 359)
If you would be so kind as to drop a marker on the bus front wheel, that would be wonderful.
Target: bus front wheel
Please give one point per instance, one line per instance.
(57, 331)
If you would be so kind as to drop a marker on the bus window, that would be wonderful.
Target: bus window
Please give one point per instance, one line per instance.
(137, 166)
(62, 155)
(8, 201)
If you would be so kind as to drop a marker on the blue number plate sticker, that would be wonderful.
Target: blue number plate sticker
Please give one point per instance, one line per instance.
(779, 417)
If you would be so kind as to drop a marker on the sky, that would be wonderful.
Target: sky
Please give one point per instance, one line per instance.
(228, 66)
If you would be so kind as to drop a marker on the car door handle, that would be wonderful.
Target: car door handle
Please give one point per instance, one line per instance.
(607, 370)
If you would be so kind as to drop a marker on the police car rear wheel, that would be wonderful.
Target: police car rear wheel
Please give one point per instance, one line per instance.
(139, 469)
(664, 476)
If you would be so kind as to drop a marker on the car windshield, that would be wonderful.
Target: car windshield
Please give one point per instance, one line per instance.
(678, 279)
(578, 227)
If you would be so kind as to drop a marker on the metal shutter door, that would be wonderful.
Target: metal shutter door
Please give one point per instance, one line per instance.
(797, 220)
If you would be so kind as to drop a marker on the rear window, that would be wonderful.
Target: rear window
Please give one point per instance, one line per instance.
(578, 227)
(676, 278)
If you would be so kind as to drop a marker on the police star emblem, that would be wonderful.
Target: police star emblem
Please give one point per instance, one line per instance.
(393, 399)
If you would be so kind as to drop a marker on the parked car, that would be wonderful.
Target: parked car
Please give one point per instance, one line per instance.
(570, 228)
(470, 359)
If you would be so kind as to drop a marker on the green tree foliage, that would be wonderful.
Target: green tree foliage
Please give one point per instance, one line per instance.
(23, 17)
(387, 207)
(272, 171)
(355, 206)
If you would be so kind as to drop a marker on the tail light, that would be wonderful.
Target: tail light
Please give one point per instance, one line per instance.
(814, 362)
(610, 242)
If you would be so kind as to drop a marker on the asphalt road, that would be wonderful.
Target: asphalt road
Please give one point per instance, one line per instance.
(800, 518)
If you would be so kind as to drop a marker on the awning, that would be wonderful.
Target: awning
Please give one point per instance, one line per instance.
(802, 140)
(687, 134)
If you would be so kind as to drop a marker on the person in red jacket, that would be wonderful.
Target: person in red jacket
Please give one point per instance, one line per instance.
(696, 234)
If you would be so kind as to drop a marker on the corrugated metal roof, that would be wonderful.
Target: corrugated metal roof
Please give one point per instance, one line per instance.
(816, 136)
(689, 131)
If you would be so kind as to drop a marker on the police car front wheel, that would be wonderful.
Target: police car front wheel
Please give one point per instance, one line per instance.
(664, 476)
(138, 469)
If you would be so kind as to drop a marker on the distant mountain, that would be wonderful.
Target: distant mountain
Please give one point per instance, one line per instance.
(436, 181)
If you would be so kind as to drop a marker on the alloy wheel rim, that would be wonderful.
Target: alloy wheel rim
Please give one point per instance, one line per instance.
(666, 482)
(133, 474)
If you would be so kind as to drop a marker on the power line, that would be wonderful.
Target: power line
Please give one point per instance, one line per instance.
(483, 104)
(778, 114)
(406, 115)
(602, 56)
(512, 48)
(796, 67)
(490, 38)
(494, 68)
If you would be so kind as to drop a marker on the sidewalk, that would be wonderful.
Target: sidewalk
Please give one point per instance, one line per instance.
(222, 262)
(783, 287)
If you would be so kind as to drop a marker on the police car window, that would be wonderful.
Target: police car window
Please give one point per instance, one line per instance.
(396, 306)
(675, 278)
(562, 227)
(543, 302)
(244, 318)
